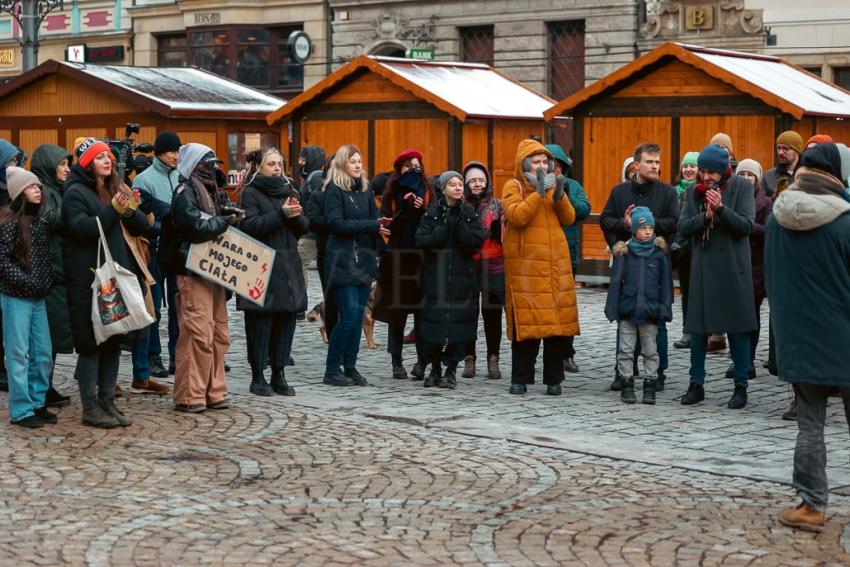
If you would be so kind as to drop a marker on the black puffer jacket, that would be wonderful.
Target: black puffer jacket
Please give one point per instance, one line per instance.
(450, 237)
(80, 207)
(265, 221)
(16, 280)
(351, 251)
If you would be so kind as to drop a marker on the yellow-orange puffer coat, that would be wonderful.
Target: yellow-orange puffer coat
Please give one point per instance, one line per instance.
(540, 296)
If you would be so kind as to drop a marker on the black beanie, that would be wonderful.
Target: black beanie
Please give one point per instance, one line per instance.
(166, 141)
(825, 156)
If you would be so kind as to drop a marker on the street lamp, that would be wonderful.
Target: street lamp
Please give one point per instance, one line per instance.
(29, 14)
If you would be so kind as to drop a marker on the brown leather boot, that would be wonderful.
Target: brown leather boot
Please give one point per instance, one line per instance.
(469, 366)
(493, 371)
(803, 517)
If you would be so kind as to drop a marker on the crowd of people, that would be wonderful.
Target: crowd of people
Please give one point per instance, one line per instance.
(439, 250)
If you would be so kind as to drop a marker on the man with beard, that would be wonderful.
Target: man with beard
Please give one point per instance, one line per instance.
(789, 146)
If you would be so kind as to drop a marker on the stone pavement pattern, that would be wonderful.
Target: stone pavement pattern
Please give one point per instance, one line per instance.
(396, 473)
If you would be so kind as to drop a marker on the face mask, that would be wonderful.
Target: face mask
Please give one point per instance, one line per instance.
(412, 179)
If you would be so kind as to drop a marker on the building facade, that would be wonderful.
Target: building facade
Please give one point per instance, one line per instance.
(103, 29)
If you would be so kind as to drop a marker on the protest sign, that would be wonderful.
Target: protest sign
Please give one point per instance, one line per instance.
(235, 261)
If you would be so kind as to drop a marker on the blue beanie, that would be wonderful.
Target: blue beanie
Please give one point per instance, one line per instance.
(713, 158)
(641, 216)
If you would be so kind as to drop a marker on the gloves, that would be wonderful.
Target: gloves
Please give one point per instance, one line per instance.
(496, 229)
(559, 188)
(541, 178)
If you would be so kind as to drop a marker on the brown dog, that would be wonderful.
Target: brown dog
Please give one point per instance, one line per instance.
(316, 315)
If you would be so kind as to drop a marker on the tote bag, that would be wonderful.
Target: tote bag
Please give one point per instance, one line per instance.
(118, 304)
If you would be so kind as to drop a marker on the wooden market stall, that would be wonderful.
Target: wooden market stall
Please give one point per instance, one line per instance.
(451, 112)
(679, 96)
(57, 102)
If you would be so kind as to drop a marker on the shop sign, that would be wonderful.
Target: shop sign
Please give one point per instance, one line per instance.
(7, 57)
(300, 46)
(105, 54)
(75, 53)
(207, 18)
(420, 54)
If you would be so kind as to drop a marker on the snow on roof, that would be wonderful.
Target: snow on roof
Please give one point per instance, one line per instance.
(815, 96)
(185, 89)
(477, 90)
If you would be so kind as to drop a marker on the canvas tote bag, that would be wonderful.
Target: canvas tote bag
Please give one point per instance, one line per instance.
(118, 304)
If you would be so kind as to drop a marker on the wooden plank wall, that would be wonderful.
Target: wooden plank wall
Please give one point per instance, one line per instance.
(677, 79)
(331, 134)
(369, 87)
(56, 96)
(507, 134)
(752, 136)
(475, 141)
(428, 135)
(607, 143)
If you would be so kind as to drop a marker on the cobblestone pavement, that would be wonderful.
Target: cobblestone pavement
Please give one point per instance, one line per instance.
(396, 473)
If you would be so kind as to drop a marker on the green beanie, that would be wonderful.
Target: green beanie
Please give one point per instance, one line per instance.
(690, 158)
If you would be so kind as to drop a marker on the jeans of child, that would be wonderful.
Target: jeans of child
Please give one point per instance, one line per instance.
(629, 333)
(739, 347)
(26, 336)
(344, 342)
(809, 478)
(661, 348)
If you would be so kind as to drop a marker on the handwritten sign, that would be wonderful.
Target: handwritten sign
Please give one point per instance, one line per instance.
(235, 261)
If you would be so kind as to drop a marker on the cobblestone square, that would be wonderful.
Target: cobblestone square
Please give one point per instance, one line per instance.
(397, 474)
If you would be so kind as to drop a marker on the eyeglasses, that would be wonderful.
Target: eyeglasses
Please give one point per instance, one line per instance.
(477, 180)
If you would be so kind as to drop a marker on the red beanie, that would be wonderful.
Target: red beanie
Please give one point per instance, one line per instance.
(818, 139)
(406, 155)
(89, 149)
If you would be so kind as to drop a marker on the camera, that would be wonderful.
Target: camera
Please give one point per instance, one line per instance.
(125, 149)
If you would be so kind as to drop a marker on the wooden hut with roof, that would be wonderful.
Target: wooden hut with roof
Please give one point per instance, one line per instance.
(57, 102)
(451, 112)
(679, 96)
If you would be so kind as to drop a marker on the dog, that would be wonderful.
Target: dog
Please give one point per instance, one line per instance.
(317, 315)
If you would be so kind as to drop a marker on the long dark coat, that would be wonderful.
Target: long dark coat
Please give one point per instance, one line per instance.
(450, 238)
(400, 281)
(44, 161)
(265, 221)
(720, 298)
(80, 206)
(764, 209)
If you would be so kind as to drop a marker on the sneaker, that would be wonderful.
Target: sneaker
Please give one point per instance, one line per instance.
(336, 379)
(469, 366)
(518, 389)
(739, 398)
(150, 386)
(356, 378)
(157, 370)
(399, 373)
(790, 414)
(54, 399)
(219, 405)
(418, 371)
(570, 365)
(695, 394)
(803, 517)
(553, 390)
(46, 416)
(30, 421)
(190, 408)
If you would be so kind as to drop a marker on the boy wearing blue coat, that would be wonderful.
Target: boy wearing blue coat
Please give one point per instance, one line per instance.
(639, 296)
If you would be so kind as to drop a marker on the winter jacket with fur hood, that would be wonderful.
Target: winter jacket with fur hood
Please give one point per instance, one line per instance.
(641, 288)
(539, 287)
(807, 272)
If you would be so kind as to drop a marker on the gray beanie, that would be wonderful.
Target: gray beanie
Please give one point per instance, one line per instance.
(751, 166)
(19, 179)
(444, 178)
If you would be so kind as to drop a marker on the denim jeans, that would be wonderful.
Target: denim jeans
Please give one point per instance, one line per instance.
(809, 478)
(739, 347)
(157, 295)
(26, 336)
(344, 342)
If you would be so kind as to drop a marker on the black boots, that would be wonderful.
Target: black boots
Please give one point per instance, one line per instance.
(435, 377)
(695, 394)
(649, 389)
(627, 391)
(259, 386)
(399, 373)
(54, 399)
(450, 378)
(659, 383)
(739, 398)
(279, 385)
(617, 384)
(356, 378)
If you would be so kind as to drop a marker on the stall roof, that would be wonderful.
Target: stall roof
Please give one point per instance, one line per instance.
(170, 91)
(773, 80)
(464, 90)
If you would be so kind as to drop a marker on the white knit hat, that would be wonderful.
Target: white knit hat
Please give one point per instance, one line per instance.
(18, 179)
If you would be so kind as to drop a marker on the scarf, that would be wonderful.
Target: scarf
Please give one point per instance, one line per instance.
(700, 190)
(682, 186)
(644, 249)
(273, 186)
(412, 180)
(203, 182)
(548, 181)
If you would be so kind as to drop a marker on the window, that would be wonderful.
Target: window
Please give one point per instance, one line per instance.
(566, 69)
(841, 77)
(814, 70)
(239, 143)
(476, 44)
(255, 56)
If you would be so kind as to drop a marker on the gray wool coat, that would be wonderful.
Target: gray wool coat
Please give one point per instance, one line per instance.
(720, 298)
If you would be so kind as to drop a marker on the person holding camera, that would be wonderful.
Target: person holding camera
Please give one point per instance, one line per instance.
(156, 186)
(198, 215)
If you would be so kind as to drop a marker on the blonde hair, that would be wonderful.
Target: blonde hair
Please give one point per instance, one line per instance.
(255, 160)
(337, 172)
